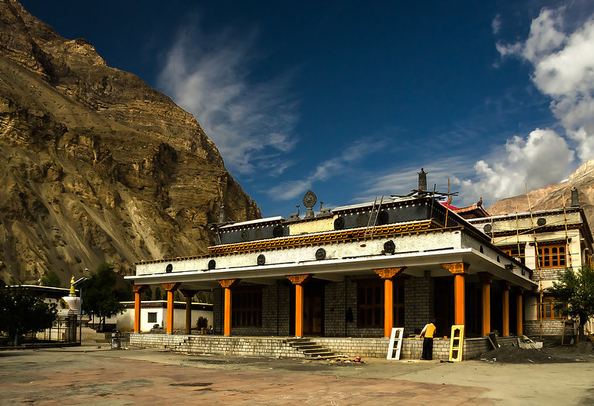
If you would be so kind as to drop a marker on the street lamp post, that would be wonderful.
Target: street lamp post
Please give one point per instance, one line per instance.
(80, 290)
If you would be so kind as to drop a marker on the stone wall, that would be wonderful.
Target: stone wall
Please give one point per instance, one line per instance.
(546, 274)
(340, 303)
(284, 309)
(238, 346)
(218, 310)
(159, 341)
(278, 346)
(550, 328)
(418, 303)
(335, 308)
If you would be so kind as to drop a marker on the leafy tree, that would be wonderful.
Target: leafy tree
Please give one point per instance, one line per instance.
(158, 294)
(574, 295)
(148, 293)
(100, 296)
(204, 297)
(22, 312)
(51, 279)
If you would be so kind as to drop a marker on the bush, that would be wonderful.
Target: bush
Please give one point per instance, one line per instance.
(202, 322)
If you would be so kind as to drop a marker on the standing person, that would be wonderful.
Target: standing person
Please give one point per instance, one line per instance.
(427, 333)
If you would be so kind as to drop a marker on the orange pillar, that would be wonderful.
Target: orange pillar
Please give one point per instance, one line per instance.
(137, 289)
(298, 281)
(520, 312)
(227, 284)
(188, 294)
(486, 279)
(505, 286)
(170, 288)
(387, 274)
(459, 270)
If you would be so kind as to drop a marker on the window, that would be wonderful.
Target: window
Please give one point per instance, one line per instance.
(548, 309)
(247, 307)
(152, 317)
(514, 252)
(370, 303)
(551, 256)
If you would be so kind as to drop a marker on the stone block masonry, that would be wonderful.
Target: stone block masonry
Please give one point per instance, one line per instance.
(418, 303)
(278, 346)
(552, 328)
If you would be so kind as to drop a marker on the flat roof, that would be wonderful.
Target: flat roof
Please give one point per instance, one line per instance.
(369, 204)
(523, 214)
(252, 222)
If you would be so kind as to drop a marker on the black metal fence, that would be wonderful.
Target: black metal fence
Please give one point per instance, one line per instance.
(66, 330)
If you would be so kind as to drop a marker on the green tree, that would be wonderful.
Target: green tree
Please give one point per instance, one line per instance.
(22, 312)
(51, 279)
(158, 294)
(204, 297)
(100, 296)
(148, 293)
(574, 295)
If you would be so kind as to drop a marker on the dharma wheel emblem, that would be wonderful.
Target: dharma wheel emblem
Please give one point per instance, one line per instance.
(310, 199)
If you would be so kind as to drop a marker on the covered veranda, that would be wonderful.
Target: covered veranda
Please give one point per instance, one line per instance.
(453, 273)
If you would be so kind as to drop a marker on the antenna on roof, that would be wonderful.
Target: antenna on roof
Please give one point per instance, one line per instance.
(422, 191)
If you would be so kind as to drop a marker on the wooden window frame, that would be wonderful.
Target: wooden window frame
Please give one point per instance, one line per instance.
(370, 303)
(552, 256)
(548, 311)
(246, 307)
(513, 252)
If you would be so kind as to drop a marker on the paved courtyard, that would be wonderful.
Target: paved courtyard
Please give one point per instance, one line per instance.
(89, 375)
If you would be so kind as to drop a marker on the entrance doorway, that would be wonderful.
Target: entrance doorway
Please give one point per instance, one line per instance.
(313, 308)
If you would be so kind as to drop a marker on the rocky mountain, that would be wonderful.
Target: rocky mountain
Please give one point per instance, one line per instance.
(554, 196)
(95, 165)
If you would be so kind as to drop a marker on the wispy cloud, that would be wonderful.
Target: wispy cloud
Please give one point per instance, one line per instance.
(401, 181)
(496, 24)
(211, 77)
(327, 170)
(563, 66)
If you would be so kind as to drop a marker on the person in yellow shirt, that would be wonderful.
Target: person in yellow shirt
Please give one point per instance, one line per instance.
(427, 334)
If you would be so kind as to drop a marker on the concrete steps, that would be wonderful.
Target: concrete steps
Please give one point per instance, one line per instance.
(279, 347)
(310, 348)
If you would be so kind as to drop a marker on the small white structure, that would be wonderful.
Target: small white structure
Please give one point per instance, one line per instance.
(154, 312)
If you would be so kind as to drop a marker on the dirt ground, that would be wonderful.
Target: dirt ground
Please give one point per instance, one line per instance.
(89, 375)
(583, 352)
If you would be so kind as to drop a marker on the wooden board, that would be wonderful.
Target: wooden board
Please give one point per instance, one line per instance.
(493, 340)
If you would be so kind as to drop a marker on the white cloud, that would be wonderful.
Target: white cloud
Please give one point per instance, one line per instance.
(563, 66)
(326, 170)
(250, 123)
(496, 24)
(564, 70)
(540, 160)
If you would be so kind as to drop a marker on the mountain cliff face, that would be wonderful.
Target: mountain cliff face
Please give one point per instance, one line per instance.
(94, 164)
(554, 196)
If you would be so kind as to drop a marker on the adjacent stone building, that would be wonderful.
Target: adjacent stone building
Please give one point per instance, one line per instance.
(547, 242)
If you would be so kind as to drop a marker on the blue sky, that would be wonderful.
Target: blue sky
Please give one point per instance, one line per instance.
(351, 98)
